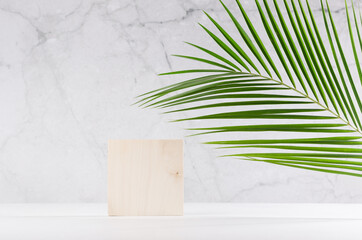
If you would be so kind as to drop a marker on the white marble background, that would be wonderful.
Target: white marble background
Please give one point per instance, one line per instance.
(69, 71)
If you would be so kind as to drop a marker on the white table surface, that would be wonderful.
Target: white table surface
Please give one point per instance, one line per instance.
(201, 221)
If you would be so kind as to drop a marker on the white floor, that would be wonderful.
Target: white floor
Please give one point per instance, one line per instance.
(201, 221)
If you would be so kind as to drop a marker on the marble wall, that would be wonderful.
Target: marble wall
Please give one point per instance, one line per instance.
(69, 72)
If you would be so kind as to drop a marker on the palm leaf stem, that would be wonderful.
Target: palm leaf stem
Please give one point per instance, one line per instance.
(316, 102)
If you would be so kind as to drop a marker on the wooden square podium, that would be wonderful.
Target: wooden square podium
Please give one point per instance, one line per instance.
(145, 177)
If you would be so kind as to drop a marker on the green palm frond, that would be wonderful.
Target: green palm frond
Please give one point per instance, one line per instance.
(301, 88)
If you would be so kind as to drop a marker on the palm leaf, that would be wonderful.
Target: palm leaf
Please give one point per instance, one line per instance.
(312, 108)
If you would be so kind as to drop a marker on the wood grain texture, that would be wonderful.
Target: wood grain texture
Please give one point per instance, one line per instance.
(145, 177)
